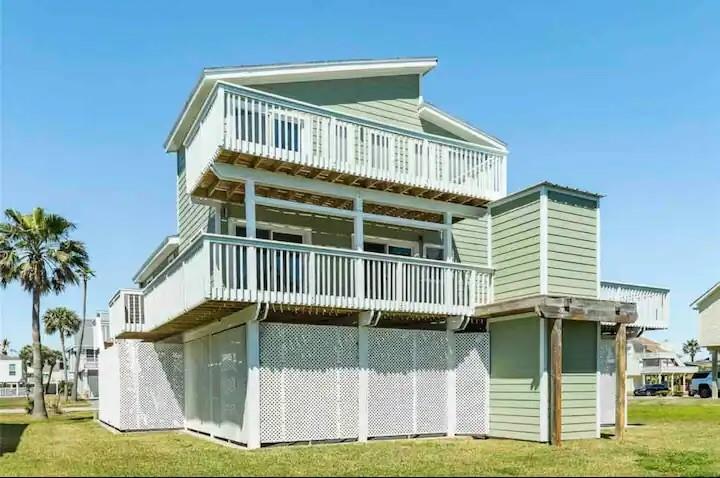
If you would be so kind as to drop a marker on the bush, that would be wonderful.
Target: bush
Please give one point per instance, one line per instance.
(29, 406)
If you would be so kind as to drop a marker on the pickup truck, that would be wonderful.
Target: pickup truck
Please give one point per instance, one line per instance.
(700, 384)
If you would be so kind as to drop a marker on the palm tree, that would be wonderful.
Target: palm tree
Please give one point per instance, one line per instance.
(4, 346)
(86, 273)
(66, 323)
(26, 356)
(691, 347)
(50, 358)
(35, 250)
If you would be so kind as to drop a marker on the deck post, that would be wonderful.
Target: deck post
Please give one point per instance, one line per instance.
(358, 245)
(250, 233)
(364, 321)
(556, 382)
(447, 276)
(714, 381)
(252, 397)
(452, 325)
(620, 380)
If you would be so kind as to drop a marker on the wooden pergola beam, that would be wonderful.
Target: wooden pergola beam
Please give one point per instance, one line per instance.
(563, 308)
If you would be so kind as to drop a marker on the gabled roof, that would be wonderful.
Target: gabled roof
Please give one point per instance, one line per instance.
(435, 115)
(287, 72)
(169, 245)
(708, 293)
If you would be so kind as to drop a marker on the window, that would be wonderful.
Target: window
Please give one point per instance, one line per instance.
(12, 371)
(434, 252)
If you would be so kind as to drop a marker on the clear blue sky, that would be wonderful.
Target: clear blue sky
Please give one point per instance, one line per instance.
(621, 98)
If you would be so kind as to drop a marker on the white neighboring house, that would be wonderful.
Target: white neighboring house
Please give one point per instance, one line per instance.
(653, 307)
(656, 363)
(96, 333)
(10, 375)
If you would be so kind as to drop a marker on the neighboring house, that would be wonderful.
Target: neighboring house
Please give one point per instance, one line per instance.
(10, 375)
(96, 334)
(348, 265)
(658, 363)
(708, 307)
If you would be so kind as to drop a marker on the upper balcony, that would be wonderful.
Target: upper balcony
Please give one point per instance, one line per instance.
(220, 274)
(243, 126)
(653, 303)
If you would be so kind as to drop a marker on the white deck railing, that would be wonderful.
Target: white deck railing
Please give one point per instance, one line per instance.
(653, 305)
(227, 268)
(248, 121)
(127, 312)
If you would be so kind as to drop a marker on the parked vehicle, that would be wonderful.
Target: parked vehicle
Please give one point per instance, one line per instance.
(701, 384)
(652, 390)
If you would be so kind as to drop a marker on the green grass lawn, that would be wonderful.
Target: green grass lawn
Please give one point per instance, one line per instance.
(670, 437)
(20, 402)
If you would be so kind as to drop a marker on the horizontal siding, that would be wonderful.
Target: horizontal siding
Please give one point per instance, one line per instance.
(514, 379)
(191, 218)
(392, 100)
(471, 241)
(516, 249)
(579, 380)
(572, 246)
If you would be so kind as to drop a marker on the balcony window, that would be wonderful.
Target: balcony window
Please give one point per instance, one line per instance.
(12, 371)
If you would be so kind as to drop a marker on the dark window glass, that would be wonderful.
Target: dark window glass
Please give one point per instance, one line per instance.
(400, 251)
(287, 237)
(374, 247)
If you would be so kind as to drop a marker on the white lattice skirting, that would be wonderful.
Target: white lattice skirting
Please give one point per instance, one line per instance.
(141, 385)
(312, 384)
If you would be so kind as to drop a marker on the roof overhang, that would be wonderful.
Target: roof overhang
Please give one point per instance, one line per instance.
(696, 303)
(580, 193)
(563, 308)
(289, 72)
(169, 245)
(459, 128)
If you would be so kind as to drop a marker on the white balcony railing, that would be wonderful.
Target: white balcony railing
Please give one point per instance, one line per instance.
(127, 312)
(653, 305)
(227, 268)
(247, 121)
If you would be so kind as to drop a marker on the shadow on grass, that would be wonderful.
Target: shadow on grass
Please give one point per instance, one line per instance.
(10, 434)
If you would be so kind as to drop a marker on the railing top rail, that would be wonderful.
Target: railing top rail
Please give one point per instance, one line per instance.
(640, 287)
(289, 246)
(321, 111)
(201, 238)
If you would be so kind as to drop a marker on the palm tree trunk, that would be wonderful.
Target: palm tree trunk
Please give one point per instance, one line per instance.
(39, 410)
(47, 385)
(80, 349)
(65, 366)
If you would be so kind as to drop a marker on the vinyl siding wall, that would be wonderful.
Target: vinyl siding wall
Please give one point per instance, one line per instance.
(709, 335)
(393, 100)
(579, 380)
(572, 245)
(470, 237)
(191, 218)
(516, 247)
(332, 231)
(515, 378)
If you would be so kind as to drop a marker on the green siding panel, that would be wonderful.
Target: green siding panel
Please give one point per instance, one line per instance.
(572, 245)
(579, 381)
(392, 100)
(516, 248)
(191, 218)
(515, 378)
(470, 237)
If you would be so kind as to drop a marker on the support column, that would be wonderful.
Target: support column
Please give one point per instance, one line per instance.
(453, 324)
(364, 321)
(620, 380)
(714, 374)
(556, 382)
(448, 256)
(250, 233)
(252, 397)
(358, 245)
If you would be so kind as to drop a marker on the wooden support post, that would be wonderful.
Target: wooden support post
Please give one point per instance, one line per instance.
(250, 233)
(556, 383)
(620, 380)
(714, 381)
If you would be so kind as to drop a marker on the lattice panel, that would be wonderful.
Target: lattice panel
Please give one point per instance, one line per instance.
(407, 382)
(308, 382)
(109, 382)
(472, 379)
(151, 385)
